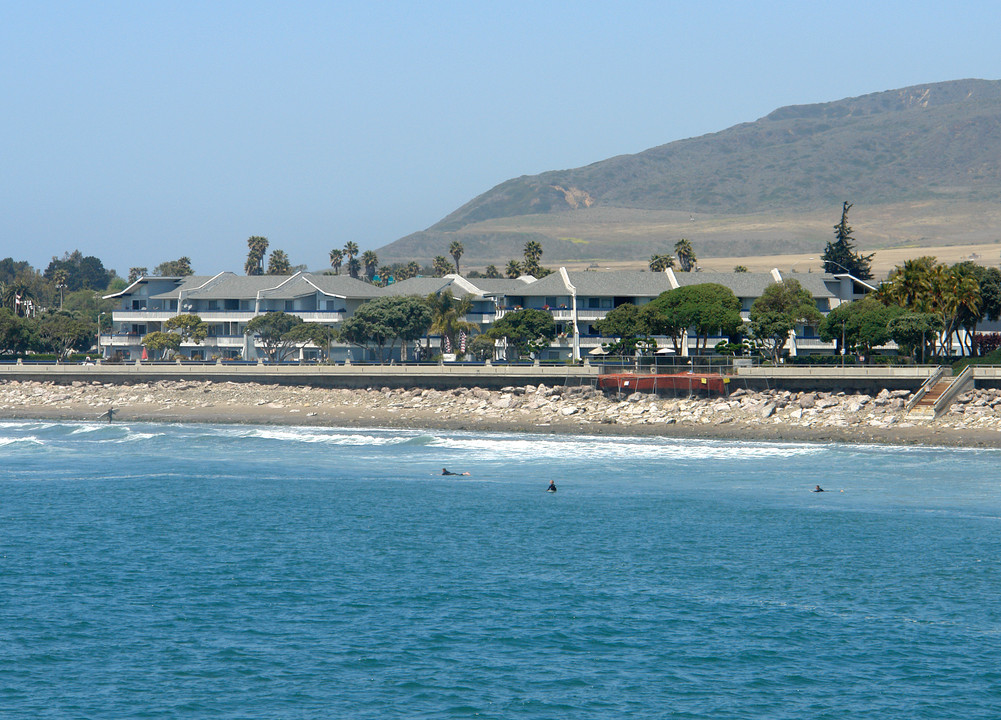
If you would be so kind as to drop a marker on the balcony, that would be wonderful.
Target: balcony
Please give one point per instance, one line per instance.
(142, 316)
(566, 314)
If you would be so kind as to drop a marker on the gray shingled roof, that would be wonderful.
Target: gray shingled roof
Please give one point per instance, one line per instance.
(422, 286)
(752, 285)
(186, 283)
(622, 283)
(343, 286)
(501, 286)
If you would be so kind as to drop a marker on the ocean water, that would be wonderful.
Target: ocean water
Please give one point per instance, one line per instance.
(168, 571)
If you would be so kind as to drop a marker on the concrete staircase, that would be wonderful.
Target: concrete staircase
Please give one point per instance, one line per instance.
(937, 394)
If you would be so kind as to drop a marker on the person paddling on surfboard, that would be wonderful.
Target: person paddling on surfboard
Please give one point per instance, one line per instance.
(818, 489)
(445, 471)
(552, 486)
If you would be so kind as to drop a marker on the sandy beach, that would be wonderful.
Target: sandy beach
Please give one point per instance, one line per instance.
(974, 421)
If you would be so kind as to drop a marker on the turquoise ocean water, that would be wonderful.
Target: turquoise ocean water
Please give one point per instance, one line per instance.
(166, 571)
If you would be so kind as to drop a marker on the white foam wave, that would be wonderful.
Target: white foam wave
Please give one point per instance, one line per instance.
(615, 448)
(29, 439)
(312, 435)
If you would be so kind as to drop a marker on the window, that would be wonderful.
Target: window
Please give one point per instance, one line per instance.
(593, 303)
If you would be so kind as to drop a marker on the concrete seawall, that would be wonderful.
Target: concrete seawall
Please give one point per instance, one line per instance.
(793, 378)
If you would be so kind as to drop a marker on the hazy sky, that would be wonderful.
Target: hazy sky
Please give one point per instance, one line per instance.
(142, 131)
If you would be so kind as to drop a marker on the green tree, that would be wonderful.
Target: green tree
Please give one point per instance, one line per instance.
(912, 331)
(455, 250)
(387, 320)
(62, 332)
(15, 333)
(861, 325)
(137, 272)
(482, 347)
(16, 296)
(491, 272)
(776, 313)
(705, 308)
(278, 263)
(189, 327)
(307, 333)
(354, 267)
(629, 324)
(258, 248)
(60, 278)
(840, 256)
(272, 329)
(528, 330)
(686, 255)
(533, 257)
(174, 268)
(351, 249)
(441, 266)
(161, 342)
(513, 269)
(660, 263)
(740, 268)
(447, 313)
(336, 260)
(371, 261)
(81, 271)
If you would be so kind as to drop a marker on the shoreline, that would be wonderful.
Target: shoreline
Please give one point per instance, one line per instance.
(767, 416)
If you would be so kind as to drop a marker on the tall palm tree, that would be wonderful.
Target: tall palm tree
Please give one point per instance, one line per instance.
(350, 249)
(686, 254)
(354, 266)
(456, 250)
(533, 252)
(491, 272)
(336, 259)
(59, 278)
(513, 269)
(447, 313)
(255, 257)
(413, 269)
(371, 261)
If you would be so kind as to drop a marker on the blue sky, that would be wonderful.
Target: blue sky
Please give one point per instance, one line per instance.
(143, 131)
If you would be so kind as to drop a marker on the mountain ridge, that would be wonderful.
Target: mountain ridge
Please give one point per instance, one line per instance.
(935, 145)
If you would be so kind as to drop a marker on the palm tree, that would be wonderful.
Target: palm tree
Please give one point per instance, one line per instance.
(413, 269)
(278, 263)
(491, 272)
(354, 266)
(447, 312)
(513, 269)
(371, 261)
(16, 295)
(336, 259)
(533, 252)
(350, 249)
(686, 255)
(660, 263)
(441, 266)
(456, 250)
(59, 278)
(255, 258)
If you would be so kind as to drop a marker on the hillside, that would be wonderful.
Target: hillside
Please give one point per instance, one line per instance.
(922, 166)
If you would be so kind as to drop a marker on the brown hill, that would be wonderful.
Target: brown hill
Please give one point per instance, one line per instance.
(922, 166)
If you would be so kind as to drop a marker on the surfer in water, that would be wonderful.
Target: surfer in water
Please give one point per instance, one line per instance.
(552, 486)
(818, 489)
(446, 471)
(110, 414)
